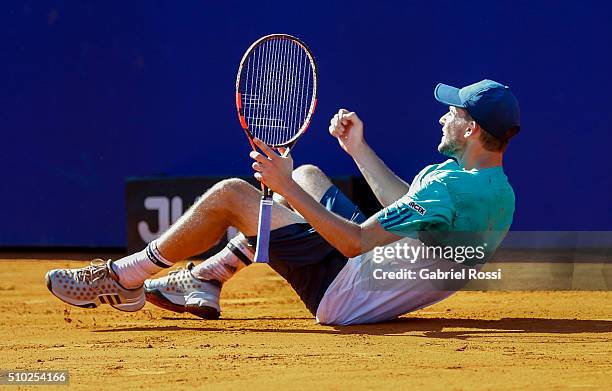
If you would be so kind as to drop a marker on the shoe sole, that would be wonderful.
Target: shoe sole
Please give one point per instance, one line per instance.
(155, 297)
(125, 307)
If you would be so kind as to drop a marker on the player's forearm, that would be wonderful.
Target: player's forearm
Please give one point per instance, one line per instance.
(387, 186)
(344, 235)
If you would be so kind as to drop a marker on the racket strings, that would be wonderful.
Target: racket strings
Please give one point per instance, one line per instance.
(277, 90)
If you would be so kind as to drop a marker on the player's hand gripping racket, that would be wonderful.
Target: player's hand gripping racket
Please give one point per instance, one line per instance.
(276, 94)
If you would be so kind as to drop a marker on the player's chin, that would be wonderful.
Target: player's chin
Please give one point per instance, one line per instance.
(446, 149)
(442, 147)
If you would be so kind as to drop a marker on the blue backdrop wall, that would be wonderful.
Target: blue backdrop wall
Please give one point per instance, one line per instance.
(93, 92)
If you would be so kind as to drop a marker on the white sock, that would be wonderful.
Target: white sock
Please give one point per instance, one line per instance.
(134, 269)
(227, 262)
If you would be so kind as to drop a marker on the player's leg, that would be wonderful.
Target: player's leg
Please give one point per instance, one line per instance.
(225, 264)
(196, 289)
(309, 177)
(313, 180)
(230, 202)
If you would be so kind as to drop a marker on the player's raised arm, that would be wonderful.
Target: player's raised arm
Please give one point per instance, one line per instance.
(347, 128)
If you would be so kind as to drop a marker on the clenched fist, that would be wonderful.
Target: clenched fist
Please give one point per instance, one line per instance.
(348, 129)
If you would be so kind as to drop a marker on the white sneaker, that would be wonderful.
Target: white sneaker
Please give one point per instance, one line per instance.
(90, 286)
(180, 292)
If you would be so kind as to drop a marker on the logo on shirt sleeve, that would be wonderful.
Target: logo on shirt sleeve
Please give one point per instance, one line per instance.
(418, 208)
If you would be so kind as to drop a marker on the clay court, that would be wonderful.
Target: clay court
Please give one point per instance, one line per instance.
(267, 340)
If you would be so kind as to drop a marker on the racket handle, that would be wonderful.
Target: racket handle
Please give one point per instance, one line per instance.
(262, 250)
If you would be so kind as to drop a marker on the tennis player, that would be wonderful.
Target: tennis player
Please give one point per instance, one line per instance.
(320, 242)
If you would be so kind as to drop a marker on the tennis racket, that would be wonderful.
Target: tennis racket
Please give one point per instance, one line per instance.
(276, 94)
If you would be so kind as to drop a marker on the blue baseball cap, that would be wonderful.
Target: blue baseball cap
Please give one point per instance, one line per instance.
(492, 105)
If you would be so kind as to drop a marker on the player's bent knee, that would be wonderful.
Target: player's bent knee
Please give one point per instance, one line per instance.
(308, 169)
(312, 179)
(234, 184)
(309, 173)
(232, 188)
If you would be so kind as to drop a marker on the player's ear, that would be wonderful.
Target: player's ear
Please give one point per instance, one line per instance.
(472, 128)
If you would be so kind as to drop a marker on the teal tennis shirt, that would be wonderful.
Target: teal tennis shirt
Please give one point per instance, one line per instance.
(448, 205)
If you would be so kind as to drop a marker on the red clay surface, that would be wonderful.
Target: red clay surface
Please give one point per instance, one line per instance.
(266, 339)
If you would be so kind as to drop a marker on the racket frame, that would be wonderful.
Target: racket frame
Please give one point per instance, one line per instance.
(266, 203)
